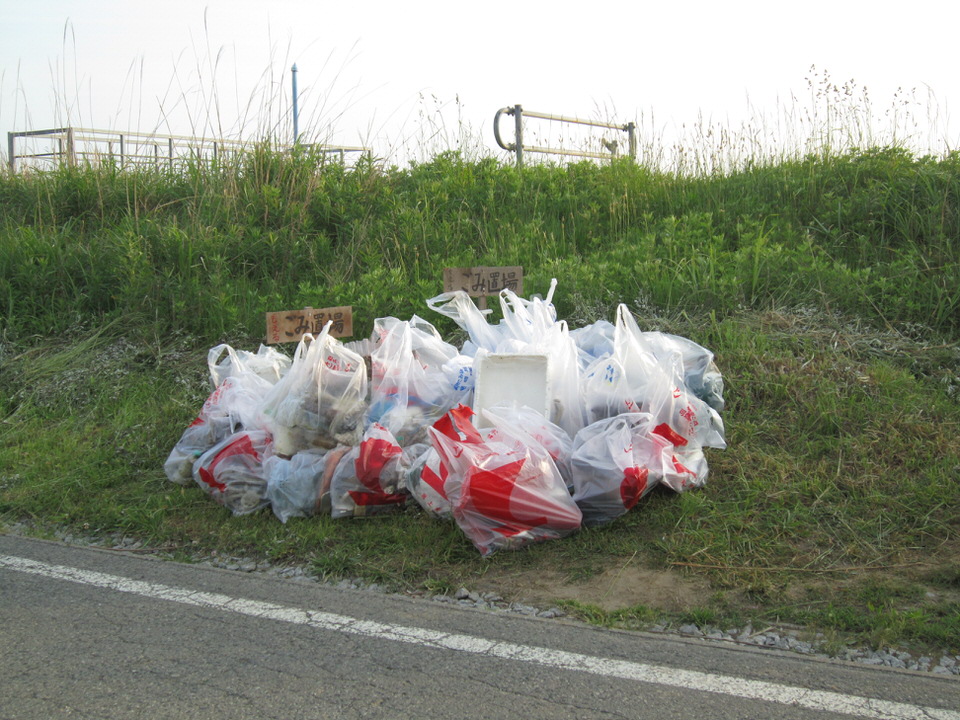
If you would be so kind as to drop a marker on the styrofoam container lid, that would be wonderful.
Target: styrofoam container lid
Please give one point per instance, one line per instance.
(512, 379)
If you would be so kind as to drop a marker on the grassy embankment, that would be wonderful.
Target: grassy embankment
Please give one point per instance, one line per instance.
(828, 287)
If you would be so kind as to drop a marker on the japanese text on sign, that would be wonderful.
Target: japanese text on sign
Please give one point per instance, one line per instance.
(481, 281)
(292, 325)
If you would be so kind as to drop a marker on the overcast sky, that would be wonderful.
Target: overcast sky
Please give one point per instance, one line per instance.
(422, 74)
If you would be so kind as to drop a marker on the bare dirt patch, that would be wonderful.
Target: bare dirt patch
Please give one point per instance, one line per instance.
(612, 589)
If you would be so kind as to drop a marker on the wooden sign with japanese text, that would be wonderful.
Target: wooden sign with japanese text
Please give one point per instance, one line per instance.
(483, 281)
(292, 325)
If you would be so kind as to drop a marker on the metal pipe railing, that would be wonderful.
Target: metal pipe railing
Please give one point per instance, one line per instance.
(519, 148)
(75, 144)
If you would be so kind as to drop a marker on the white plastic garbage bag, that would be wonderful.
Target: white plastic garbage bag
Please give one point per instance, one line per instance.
(635, 379)
(267, 363)
(321, 400)
(459, 307)
(416, 378)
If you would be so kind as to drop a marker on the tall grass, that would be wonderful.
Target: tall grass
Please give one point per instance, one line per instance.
(210, 247)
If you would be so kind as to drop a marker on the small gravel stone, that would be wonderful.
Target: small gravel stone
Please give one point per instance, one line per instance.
(523, 609)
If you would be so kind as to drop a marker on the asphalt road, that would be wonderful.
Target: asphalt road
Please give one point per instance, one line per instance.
(88, 633)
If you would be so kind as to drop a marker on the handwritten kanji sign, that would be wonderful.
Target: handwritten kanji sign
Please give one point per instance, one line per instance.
(483, 281)
(292, 325)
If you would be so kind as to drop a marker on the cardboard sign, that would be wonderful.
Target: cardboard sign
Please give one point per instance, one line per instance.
(483, 281)
(292, 325)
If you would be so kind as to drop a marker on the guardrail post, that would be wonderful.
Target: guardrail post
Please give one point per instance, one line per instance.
(631, 129)
(122, 152)
(11, 158)
(71, 148)
(170, 150)
(518, 124)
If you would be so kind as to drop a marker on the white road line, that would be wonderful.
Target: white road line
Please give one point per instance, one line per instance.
(674, 677)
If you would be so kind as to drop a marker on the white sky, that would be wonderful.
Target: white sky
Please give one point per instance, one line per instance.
(410, 76)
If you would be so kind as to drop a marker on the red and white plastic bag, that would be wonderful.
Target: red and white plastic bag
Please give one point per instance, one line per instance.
(233, 406)
(504, 488)
(616, 462)
(232, 471)
(369, 479)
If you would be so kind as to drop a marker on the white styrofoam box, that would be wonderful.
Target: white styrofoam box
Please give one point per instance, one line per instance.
(512, 379)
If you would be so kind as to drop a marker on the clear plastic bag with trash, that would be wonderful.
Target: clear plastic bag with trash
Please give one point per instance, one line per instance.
(322, 399)
(416, 377)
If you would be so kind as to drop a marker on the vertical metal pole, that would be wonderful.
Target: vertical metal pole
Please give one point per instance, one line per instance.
(518, 124)
(632, 134)
(296, 110)
(11, 158)
(170, 151)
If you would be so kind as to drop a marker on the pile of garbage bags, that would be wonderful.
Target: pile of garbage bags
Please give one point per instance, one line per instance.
(527, 432)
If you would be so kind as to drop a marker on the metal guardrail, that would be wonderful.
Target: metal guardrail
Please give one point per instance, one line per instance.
(519, 148)
(74, 145)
